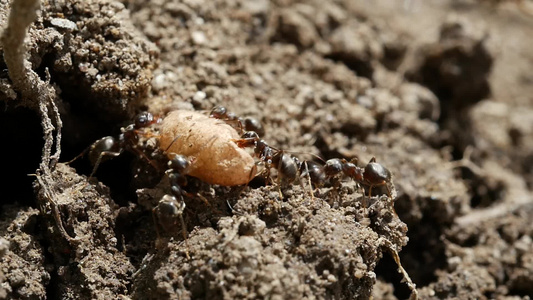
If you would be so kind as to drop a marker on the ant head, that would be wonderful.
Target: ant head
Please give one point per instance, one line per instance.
(144, 119)
(177, 162)
(168, 208)
(218, 112)
(375, 172)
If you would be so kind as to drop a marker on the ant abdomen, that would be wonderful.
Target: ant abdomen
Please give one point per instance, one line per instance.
(251, 124)
(104, 145)
(315, 172)
(376, 173)
(286, 166)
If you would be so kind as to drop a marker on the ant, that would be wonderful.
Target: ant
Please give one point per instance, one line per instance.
(243, 125)
(110, 146)
(287, 166)
(290, 168)
(372, 175)
(170, 206)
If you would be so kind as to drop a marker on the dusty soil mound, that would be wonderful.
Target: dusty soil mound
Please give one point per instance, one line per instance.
(436, 93)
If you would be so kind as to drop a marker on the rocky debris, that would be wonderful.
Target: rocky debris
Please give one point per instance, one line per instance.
(85, 252)
(324, 78)
(24, 270)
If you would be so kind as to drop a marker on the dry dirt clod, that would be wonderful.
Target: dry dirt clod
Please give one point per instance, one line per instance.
(324, 77)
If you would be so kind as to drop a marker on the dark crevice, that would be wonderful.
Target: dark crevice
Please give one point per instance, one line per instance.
(385, 270)
(52, 289)
(362, 68)
(21, 153)
(421, 257)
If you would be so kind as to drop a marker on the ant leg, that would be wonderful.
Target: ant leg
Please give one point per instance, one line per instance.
(309, 182)
(156, 221)
(143, 155)
(279, 179)
(365, 204)
(303, 187)
(78, 156)
(184, 231)
(239, 128)
(336, 190)
(191, 195)
(99, 160)
(388, 190)
(266, 173)
(183, 227)
(250, 177)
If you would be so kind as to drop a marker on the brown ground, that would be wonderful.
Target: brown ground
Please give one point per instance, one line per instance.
(440, 93)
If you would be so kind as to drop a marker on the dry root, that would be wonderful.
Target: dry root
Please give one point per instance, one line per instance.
(36, 93)
(388, 245)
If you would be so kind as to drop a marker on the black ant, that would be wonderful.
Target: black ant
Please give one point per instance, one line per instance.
(110, 146)
(372, 175)
(243, 125)
(169, 206)
(290, 168)
(172, 206)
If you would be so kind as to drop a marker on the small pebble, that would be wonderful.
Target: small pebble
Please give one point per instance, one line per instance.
(64, 24)
(199, 96)
(198, 37)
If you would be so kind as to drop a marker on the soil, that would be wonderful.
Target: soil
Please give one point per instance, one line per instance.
(438, 92)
